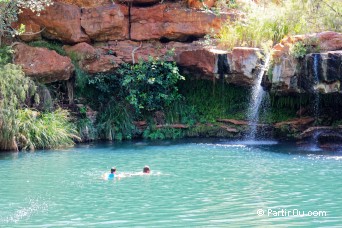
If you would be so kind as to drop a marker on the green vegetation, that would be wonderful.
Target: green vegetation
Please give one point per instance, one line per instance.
(162, 133)
(150, 85)
(52, 45)
(132, 93)
(5, 55)
(269, 21)
(46, 130)
(14, 89)
(213, 100)
(22, 127)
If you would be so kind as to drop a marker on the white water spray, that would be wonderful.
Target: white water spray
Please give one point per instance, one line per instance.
(257, 96)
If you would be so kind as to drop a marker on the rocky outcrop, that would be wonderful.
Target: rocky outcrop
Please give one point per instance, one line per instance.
(73, 21)
(238, 67)
(315, 72)
(106, 22)
(171, 21)
(297, 124)
(82, 51)
(59, 21)
(243, 65)
(322, 136)
(322, 72)
(42, 64)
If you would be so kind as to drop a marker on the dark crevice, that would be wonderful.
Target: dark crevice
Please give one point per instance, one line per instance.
(222, 65)
(190, 39)
(185, 39)
(82, 29)
(164, 40)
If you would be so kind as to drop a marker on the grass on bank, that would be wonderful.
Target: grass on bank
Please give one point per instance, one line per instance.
(20, 125)
(269, 21)
(45, 130)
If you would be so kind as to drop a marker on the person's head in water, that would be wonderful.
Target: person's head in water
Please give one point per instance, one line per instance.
(113, 170)
(146, 169)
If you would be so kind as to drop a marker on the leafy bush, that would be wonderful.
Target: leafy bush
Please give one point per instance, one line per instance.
(298, 50)
(5, 55)
(132, 93)
(150, 85)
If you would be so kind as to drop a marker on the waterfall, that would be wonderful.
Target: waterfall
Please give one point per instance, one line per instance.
(316, 80)
(256, 100)
(316, 96)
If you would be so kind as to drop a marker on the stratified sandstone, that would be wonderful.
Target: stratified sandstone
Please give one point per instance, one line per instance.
(59, 21)
(42, 64)
(106, 22)
(172, 21)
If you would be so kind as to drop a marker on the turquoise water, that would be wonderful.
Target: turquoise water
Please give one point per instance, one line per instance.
(211, 183)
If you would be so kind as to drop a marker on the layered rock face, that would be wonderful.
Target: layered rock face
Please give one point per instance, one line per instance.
(316, 71)
(106, 34)
(173, 22)
(81, 21)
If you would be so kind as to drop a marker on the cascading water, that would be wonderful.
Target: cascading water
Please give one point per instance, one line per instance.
(316, 80)
(256, 100)
(316, 61)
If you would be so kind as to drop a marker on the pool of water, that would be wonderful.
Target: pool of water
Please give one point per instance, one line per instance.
(201, 183)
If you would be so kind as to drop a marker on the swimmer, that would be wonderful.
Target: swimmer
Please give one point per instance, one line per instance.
(146, 169)
(111, 175)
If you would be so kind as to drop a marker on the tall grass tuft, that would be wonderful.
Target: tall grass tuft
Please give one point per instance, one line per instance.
(116, 122)
(45, 130)
(269, 21)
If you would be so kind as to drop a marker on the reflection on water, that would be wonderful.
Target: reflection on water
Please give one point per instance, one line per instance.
(200, 183)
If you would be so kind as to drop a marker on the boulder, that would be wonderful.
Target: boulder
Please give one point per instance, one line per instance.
(105, 23)
(60, 22)
(105, 63)
(201, 61)
(42, 64)
(171, 21)
(82, 51)
(244, 63)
